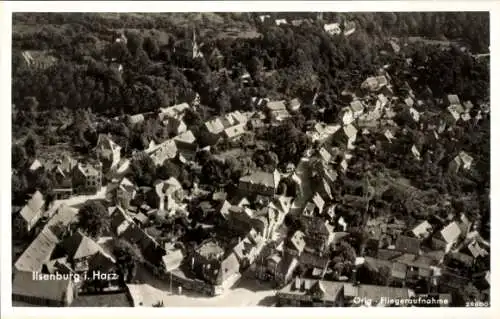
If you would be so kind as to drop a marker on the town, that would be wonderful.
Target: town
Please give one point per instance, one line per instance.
(249, 183)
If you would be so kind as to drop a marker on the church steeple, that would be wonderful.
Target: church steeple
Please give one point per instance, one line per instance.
(196, 48)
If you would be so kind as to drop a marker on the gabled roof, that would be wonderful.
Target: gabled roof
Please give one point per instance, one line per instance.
(186, 137)
(327, 290)
(80, 246)
(422, 229)
(38, 252)
(452, 99)
(235, 130)
(32, 209)
(319, 201)
(214, 126)
(104, 142)
(25, 285)
(263, 178)
(356, 106)
(276, 105)
(451, 232)
(35, 165)
(87, 169)
(298, 241)
(350, 131)
(295, 104)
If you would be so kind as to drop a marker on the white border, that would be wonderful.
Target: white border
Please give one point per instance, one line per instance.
(6, 9)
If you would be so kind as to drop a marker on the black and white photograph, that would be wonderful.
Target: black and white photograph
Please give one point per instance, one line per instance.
(250, 159)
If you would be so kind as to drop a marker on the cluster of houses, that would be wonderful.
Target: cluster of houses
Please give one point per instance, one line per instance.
(336, 28)
(247, 231)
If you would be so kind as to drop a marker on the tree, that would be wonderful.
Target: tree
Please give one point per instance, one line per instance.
(223, 103)
(93, 219)
(150, 45)
(167, 170)
(134, 41)
(19, 157)
(128, 256)
(142, 170)
(31, 146)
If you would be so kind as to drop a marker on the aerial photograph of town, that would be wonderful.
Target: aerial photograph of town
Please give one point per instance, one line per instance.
(250, 159)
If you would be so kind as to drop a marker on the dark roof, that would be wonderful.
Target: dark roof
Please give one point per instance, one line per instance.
(80, 246)
(408, 245)
(388, 254)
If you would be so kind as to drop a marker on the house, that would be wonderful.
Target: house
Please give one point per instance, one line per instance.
(173, 258)
(174, 126)
(260, 182)
(83, 253)
(87, 178)
(38, 59)
(281, 268)
(407, 244)
(121, 192)
(249, 248)
(315, 207)
(314, 265)
(169, 193)
(108, 152)
(280, 21)
(461, 161)
(296, 244)
(186, 145)
(357, 108)
(455, 112)
(161, 152)
(349, 28)
(277, 110)
(311, 293)
(319, 233)
(57, 292)
(459, 259)
(395, 46)
(38, 252)
(346, 136)
(476, 249)
(323, 133)
(175, 111)
(375, 83)
(346, 116)
(264, 17)
(135, 119)
(381, 101)
(415, 152)
(36, 165)
(446, 237)
(332, 28)
(388, 134)
(452, 99)
(235, 131)
(422, 230)
(213, 128)
(211, 265)
(294, 105)
(397, 274)
(411, 114)
(31, 213)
